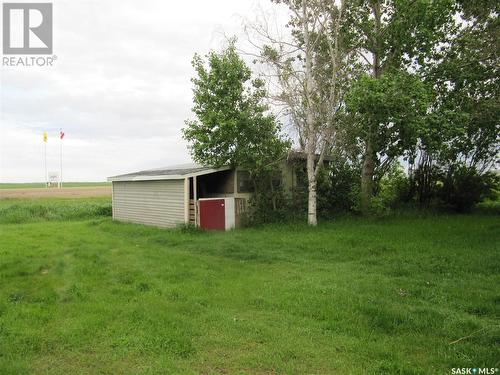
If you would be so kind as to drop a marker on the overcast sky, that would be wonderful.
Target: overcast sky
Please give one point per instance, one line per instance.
(120, 88)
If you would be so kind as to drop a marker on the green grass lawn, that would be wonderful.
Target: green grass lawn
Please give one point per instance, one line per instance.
(32, 185)
(354, 296)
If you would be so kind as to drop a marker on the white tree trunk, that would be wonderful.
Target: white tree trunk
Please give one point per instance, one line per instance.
(311, 177)
(311, 138)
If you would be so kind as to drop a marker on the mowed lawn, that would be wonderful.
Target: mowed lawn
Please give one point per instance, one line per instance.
(400, 295)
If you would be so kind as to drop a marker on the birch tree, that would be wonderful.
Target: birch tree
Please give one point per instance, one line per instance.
(309, 69)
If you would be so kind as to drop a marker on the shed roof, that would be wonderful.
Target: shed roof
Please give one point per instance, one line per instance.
(174, 172)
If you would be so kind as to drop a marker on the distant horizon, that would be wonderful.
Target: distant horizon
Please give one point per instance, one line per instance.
(43, 182)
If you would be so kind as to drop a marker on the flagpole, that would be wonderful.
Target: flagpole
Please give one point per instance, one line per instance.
(45, 157)
(60, 158)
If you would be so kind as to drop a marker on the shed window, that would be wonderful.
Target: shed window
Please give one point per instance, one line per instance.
(244, 181)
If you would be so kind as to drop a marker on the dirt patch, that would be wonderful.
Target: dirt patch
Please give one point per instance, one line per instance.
(72, 192)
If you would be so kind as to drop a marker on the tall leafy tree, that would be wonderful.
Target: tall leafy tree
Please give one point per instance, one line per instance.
(393, 38)
(233, 125)
(459, 142)
(390, 112)
(465, 74)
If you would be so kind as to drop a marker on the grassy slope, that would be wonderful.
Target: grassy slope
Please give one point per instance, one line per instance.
(355, 296)
(31, 185)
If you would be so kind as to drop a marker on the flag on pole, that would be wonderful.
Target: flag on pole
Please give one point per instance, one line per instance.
(61, 134)
(45, 136)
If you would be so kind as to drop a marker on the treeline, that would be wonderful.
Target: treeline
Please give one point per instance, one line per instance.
(401, 97)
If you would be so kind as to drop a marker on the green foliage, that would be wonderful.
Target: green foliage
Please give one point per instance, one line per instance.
(459, 140)
(395, 39)
(429, 91)
(233, 126)
(354, 295)
(406, 35)
(464, 126)
(392, 190)
(391, 110)
(269, 203)
(337, 189)
(189, 228)
(489, 206)
(424, 179)
(464, 187)
(458, 187)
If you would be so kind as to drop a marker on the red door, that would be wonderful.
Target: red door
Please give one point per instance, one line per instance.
(212, 214)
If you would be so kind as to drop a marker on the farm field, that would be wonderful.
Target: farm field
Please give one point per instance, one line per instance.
(34, 185)
(79, 190)
(80, 294)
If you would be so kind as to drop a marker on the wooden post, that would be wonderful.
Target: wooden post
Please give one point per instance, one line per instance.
(195, 197)
(235, 182)
(186, 200)
(112, 200)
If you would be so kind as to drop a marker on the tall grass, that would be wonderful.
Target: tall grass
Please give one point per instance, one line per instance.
(17, 211)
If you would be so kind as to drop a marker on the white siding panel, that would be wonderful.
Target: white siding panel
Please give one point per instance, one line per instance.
(159, 203)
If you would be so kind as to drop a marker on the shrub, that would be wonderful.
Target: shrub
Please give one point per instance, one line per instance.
(338, 185)
(392, 189)
(338, 188)
(464, 187)
(269, 203)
